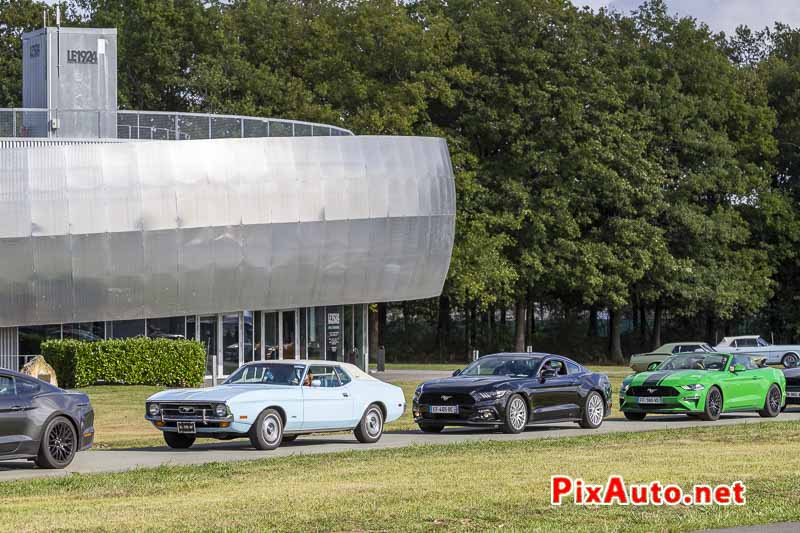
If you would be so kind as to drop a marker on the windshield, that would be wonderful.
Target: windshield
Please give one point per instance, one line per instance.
(268, 373)
(694, 361)
(522, 367)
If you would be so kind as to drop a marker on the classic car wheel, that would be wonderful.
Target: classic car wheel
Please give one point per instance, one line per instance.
(59, 444)
(636, 417)
(179, 441)
(267, 432)
(593, 412)
(713, 408)
(790, 360)
(430, 428)
(516, 415)
(772, 403)
(370, 428)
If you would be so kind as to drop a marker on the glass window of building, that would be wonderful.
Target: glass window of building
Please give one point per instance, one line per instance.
(316, 332)
(303, 334)
(31, 337)
(288, 340)
(167, 328)
(333, 334)
(86, 331)
(191, 327)
(248, 330)
(359, 313)
(230, 343)
(271, 336)
(207, 332)
(125, 329)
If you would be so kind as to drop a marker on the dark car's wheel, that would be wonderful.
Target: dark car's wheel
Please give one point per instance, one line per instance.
(772, 403)
(636, 417)
(516, 415)
(370, 428)
(267, 432)
(713, 408)
(790, 360)
(59, 444)
(179, 441)
(430, 428)
(593, 411)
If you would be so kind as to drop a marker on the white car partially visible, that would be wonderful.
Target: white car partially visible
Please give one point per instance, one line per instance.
(786, 354)
(271, 402)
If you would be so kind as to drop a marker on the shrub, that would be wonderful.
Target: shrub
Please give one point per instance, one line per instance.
(136, 361)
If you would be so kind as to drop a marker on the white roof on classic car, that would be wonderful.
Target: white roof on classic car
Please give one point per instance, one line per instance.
(728, 340)
(353, 370)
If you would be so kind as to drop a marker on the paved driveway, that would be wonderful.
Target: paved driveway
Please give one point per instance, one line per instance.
(240, 450)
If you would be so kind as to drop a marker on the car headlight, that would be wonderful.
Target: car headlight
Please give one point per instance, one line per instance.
(491, 395)
(623, 389)
(696, 386)
(153, 409)
(221, 410)
(418, 392)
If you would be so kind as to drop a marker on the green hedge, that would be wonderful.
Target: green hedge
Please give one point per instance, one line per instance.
(137, 361)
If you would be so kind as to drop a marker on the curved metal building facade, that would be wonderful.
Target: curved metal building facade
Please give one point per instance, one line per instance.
(133, 230)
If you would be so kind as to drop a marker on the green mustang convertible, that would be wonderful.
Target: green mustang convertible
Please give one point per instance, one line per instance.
(704, 385)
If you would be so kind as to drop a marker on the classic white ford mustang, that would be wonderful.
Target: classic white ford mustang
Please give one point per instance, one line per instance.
(786, 354)
(275, 401)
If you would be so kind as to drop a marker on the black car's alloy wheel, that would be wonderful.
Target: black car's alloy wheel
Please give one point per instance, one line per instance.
(267, 432)
(370, 428)
(713, 408)
(59, 444)
(772, 403)
(636, 417)
(516, 415)
(178, 441)
(593, 411)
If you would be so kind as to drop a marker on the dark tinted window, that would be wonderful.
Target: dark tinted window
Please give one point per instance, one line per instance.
(557, 365)
(27, 388)
(6, 387)
(574, 368)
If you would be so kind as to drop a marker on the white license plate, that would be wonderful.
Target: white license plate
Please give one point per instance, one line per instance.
(186, 427)
(793, 394)
(649, 399)
(444, 409)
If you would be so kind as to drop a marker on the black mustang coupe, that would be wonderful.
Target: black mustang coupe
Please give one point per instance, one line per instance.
(510, 391)
(41, 422)
(792, 385)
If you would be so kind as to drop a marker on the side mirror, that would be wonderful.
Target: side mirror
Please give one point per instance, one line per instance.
(548, 373)
(738, 367)
(456, 372)
(653, 366)
(316, 383)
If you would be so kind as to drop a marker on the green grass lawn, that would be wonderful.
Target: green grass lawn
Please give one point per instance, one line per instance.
(120, 423)
(476, 487)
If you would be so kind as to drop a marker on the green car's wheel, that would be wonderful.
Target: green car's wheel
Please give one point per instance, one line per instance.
(772, 403)
(713, 408)
(638, 417)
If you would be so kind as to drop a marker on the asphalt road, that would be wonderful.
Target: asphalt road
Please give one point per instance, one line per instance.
(97, 461)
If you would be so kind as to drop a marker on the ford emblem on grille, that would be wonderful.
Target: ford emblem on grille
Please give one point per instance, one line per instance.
(445, 398)
(186, 410)
(651, 391)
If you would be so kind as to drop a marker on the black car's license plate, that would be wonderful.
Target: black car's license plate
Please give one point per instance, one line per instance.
(186, 427)
(444, 409)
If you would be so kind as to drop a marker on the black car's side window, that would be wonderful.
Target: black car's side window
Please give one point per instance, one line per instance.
(574, 368)
(27, 388)
(6, 387)
(554, 364)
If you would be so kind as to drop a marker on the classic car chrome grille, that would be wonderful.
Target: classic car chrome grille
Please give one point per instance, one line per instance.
(187, 411)
(446, 398)
(654, 390)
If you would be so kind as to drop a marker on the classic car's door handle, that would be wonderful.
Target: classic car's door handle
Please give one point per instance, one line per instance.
(345, 395)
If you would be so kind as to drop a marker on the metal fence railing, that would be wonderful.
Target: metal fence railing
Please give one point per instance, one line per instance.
(14, 362)
(151, 125)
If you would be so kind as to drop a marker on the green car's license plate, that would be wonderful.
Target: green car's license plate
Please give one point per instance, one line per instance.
(649, 399)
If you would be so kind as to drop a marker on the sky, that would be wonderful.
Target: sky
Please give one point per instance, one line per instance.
(720, 15)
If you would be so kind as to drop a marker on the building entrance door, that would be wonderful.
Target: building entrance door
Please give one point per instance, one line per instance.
(207, 335)
(288, 334)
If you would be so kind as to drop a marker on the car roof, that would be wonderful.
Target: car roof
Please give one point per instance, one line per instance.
(729, 339)
(353, 370)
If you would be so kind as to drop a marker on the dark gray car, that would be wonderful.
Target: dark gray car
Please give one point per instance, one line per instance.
(41, 422)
